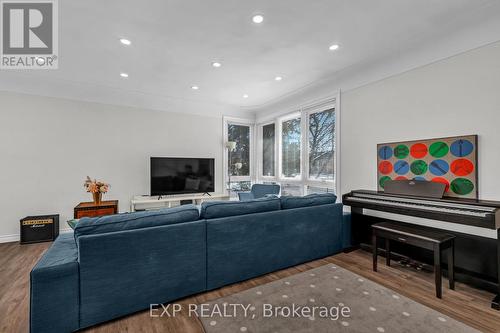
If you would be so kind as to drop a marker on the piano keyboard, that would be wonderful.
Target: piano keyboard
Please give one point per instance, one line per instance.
(426, 204)
(463, 212)
(423, 207)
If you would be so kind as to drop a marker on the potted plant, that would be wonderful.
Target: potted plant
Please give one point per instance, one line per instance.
(97, 188)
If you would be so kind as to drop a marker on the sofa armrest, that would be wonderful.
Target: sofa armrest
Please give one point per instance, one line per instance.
(245, 196)
(54, 288)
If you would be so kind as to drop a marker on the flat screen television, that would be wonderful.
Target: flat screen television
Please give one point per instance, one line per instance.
(173, 175)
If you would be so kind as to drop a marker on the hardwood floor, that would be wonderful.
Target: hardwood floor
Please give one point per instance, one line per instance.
(16, 262)
(466, 304)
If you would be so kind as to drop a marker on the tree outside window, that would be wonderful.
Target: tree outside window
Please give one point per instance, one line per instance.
(321, 145)
(291, 141)
(268, 143)
(239, 158)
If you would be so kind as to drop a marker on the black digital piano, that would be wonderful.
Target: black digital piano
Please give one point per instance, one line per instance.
(475, 223)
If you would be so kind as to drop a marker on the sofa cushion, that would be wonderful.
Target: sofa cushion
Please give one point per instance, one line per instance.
(216, 209)
(136, 220)
(288, 202)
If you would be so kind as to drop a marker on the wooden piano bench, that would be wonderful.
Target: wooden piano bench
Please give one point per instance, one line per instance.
(427, 239)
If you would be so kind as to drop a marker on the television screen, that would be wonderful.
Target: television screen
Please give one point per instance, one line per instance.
(182, 175)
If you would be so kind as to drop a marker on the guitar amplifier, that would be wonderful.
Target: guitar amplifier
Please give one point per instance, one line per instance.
(35, 229)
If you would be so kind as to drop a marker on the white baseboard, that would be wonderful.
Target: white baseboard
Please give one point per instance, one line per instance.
(17, 237)
(9, 238)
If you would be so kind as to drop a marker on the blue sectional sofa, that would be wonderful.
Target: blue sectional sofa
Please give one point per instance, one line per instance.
(116, 265)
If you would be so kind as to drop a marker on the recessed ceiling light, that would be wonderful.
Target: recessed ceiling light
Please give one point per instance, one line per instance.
(123, 74)
(333, 47)
(216, 64)
(195, 87)
(258, 19)
(245, 96)
(278, 78)
(125, 41)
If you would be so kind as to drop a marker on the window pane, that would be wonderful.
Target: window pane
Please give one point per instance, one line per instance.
(321, 145)
(290, 157)
(292, 189)
(268, 150)
(239, 186)
(319, 189)
(239, 158)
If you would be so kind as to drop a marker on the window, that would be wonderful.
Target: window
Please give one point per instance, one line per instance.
(238, 186)
(319, 189)
(321, 145)
(290, 148)
(238, 161)
(268, 150)
(292, 189)
(299, 149)
(239, 158)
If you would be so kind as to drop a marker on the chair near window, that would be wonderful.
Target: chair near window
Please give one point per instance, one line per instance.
(259, 191)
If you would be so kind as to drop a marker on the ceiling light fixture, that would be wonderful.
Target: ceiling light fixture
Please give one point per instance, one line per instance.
(258, 19)
(195, 87)
(125, 41)
(245, 96)
(123, 74)
(216, 64)
(278, 78)
(333, 47)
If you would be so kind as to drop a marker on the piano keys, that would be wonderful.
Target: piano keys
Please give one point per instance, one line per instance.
(478, 213)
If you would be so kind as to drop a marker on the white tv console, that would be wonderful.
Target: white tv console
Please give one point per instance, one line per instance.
(141, 202)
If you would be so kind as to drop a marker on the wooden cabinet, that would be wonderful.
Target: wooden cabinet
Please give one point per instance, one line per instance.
(90, 209)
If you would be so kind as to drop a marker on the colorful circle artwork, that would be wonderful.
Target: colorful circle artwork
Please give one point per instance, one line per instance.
(401, 151)
(451, 161)
(383, 180)
(462, 167)
(443, 181)
(461, 186)
(439, 149)
(385, 167)
(418, 167)
(418, 150)
(401, 167)
(461, 148)
(385, 152)
(439, 167)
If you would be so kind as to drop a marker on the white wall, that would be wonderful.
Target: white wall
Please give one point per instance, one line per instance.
(456, 96)
(48, 146)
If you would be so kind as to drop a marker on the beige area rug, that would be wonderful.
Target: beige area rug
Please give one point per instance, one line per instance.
(325, 299)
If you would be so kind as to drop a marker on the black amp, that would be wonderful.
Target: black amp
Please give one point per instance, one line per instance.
(35, 229)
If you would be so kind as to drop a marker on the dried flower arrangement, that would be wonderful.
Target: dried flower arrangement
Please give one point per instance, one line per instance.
(97, 188)
(94, 186)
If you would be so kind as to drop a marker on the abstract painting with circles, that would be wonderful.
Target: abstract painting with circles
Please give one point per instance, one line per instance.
(452, 161)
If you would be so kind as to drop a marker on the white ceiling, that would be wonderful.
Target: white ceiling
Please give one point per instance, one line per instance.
(175, 41)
